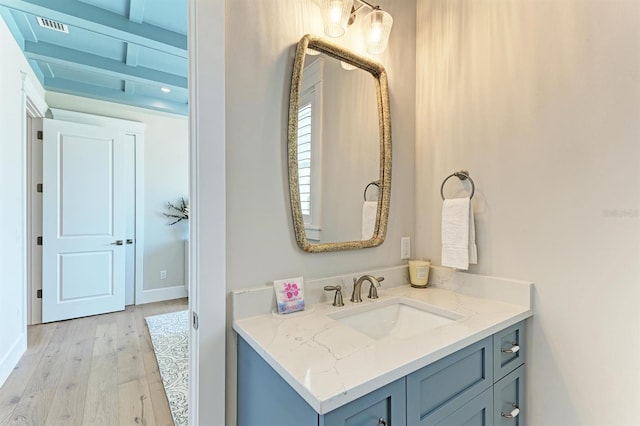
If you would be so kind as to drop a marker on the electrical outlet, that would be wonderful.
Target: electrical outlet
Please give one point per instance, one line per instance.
(405, 248)
(163, 275)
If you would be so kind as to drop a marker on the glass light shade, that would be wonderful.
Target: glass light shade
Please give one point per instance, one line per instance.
(335, 14)
(376, 29)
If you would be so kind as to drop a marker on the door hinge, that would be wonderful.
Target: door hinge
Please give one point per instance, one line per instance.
(39, 135)
(39, 187)
(196, 322)
(39, 241)
(39, 294)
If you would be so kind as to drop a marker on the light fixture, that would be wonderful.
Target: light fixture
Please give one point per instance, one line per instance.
(335, 14)
(376, 26)
(165, 89)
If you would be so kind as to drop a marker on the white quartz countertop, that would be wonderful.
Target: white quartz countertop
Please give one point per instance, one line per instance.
(330, 364)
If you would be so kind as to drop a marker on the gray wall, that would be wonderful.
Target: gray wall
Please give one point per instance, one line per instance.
(540, 100)
(260, 243)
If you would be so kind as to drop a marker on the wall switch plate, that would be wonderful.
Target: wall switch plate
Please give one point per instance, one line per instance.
(163, 275)
(405, 248)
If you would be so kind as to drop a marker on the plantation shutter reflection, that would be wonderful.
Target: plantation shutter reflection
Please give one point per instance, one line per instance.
(304, 159)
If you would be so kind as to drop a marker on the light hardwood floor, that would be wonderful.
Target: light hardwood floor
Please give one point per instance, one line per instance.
(98, 370)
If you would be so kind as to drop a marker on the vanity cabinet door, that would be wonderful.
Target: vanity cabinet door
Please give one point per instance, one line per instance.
(508, 399)
(384, 406)
(477, 412)
(264, 398)
(509, 349)
(437, 390)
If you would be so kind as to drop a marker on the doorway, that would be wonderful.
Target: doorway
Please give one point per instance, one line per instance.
(129, 211)
(207, 196)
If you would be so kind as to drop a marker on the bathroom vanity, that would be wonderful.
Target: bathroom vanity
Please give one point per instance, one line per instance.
(436, 356)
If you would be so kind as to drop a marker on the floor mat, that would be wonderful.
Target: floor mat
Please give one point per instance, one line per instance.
(170, 338)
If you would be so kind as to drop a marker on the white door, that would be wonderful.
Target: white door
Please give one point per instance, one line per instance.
(83, 228)
(130, 220)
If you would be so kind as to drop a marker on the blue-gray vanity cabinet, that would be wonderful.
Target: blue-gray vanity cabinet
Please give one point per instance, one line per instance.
(477, 412)
(384, 406)
(481, 384)
(436, 391)
(510, 351)
(508, 399)
(264, 398)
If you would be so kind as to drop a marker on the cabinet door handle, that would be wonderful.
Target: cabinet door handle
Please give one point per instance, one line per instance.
(382, 422)
(117, 243)
(512, 350)
(513, 414)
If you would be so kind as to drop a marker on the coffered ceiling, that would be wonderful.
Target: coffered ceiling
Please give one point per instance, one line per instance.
(132, 52)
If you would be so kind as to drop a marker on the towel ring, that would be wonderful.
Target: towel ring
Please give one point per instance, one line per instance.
(374, 183)
(462, 175)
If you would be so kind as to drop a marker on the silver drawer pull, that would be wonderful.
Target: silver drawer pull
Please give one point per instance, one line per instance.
(382, 422)
(513, 414)
(512, 350)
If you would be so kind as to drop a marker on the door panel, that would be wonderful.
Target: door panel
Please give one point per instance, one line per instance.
(86, 198)
(87, 275)
(83, 218)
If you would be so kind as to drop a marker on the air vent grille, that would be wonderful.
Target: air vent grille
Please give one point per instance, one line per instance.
(53, 25)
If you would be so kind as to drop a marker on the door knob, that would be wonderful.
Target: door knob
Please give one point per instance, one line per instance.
(118, 243)
(129, 241)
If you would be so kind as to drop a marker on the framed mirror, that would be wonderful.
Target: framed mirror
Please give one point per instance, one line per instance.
(339, 148)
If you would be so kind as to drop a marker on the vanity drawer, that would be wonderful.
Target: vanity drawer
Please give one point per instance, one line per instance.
(437, 390)
(509, 346)
(508, 399)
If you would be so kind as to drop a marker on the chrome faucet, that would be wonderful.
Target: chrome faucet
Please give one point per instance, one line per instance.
(357, 286)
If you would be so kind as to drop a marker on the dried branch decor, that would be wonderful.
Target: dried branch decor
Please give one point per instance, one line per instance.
(178, 213)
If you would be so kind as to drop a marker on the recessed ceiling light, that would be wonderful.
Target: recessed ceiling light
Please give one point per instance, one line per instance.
(165, 89)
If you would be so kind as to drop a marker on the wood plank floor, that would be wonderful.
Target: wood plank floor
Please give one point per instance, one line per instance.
(98, 370)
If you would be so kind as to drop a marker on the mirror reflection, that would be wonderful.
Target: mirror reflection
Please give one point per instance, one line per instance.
(339, 148)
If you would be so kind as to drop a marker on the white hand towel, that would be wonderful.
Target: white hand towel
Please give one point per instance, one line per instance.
(458, 234)
(369, 211)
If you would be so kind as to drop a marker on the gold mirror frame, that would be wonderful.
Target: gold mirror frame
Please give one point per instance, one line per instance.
(384, 122)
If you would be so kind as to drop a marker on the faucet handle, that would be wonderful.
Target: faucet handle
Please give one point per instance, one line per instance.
(337, 298)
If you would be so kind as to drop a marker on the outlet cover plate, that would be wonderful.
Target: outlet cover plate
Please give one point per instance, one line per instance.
(405, 248)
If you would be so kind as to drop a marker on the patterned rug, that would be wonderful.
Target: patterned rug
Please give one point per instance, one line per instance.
(170, 338)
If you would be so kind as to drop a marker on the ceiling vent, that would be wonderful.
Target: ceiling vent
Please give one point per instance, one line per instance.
(52, 25)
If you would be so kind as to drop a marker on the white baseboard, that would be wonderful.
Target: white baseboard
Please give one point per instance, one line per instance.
(11, 357)
(161, 294)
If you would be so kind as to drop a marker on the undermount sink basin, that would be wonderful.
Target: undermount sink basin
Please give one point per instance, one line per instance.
(399, 317)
